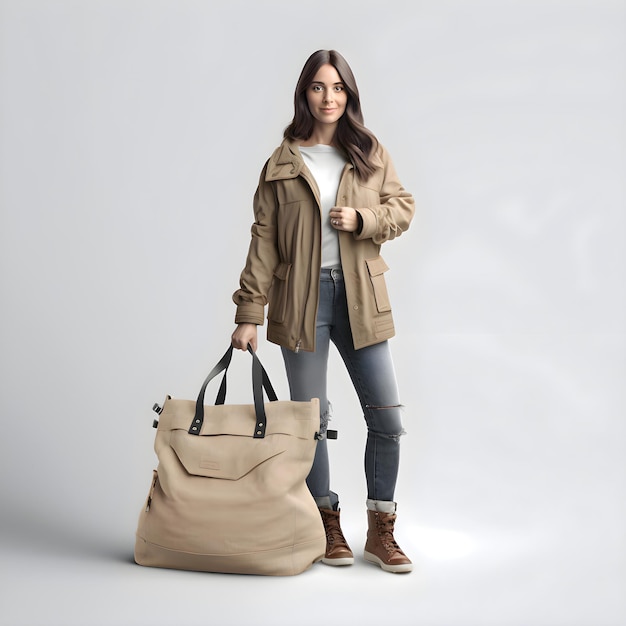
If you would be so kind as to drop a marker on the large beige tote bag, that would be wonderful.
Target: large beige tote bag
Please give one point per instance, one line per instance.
(229, 492)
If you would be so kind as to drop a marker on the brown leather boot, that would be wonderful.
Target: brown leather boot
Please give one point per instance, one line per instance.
(337, 549)
(381, 547)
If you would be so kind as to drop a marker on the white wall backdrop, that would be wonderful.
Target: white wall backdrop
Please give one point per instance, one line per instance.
(132, 134)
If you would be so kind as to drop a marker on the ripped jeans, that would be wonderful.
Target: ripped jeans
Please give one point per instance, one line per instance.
(372, 373)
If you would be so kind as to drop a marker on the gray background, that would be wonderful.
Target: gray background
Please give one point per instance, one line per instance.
(131, 138)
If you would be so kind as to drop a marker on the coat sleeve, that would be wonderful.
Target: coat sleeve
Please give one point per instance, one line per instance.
(392, 216)
(256, 277)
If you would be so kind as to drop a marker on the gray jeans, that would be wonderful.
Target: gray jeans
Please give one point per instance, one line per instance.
(373, 376)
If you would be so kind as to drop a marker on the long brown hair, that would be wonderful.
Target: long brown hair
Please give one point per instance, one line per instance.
(351, 135)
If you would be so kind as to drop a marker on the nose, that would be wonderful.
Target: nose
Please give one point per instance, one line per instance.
(328, 97)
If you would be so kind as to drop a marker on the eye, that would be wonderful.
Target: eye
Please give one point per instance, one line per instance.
(339, 88)
(317, 88)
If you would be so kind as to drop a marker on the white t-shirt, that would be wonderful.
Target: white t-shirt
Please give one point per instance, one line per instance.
(326, 163)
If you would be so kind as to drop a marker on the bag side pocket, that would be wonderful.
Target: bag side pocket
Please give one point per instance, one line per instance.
(153, 484)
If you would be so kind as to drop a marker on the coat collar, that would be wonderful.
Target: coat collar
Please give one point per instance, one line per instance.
(286, 162)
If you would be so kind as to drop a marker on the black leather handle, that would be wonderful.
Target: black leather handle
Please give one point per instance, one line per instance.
(260, 381)
(267, 385)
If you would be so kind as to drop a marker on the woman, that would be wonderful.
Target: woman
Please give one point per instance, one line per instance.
(327, 198)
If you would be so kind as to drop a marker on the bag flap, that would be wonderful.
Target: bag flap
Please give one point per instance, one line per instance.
(228, 457)
(226, 447)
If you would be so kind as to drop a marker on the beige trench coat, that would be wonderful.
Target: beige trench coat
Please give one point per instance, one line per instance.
(283, 263)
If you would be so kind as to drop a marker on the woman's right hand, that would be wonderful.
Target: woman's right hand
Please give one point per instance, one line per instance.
(245, 334)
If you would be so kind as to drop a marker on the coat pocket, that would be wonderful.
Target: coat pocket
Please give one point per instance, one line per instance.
(278, 293)
(377, 268)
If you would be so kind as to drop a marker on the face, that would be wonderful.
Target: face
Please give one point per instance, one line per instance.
(327, 96)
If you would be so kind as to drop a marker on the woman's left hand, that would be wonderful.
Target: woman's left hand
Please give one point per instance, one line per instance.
(344, 218)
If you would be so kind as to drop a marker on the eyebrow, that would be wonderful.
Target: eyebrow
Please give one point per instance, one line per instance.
(319, 82)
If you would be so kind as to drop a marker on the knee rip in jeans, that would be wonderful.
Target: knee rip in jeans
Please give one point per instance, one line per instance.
(386, 435)
(393, 436)
(373, 407)
(324, 419)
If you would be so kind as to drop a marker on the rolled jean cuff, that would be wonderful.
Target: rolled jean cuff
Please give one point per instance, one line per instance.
(331, 501)
(381, 506)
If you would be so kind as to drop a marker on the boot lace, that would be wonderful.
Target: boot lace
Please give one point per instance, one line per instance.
(333, 530)
(385, 532)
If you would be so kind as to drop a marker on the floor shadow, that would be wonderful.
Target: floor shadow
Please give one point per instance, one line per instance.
(64, 539)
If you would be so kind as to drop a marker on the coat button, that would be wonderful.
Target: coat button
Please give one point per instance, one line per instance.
(356, 307)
